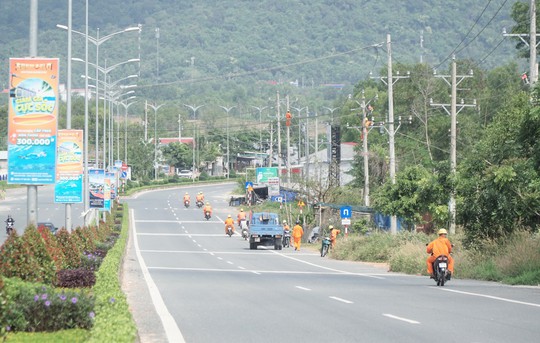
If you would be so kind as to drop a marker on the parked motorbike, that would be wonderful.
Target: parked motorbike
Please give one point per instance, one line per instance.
(186, 203)
(287, 238)
(325, 246)
(9, 225)
(440, 270)
(207, 215)
(244, 228)
(229, 230)
(200, 204)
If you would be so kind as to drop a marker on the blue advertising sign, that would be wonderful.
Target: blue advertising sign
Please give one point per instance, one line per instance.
(96, 179)
(345, 211)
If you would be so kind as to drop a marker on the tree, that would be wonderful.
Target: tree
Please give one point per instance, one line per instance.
(178, 155)
(499, 183)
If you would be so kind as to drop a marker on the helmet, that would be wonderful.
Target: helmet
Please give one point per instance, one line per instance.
(331, 227)
(207, 203)
(229, 216)
(284, 222)
(187, 193)
(442, 232)
(241, 210)
(297, 222)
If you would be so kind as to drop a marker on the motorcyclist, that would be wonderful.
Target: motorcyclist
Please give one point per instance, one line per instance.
(437, 247)
(187, 198)
(9, 223)
(200, 197)
(334, 232)
(229, 222)
(207, 208)
(286, 226)
(241, 216)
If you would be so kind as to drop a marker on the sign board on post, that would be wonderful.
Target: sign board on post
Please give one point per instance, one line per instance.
(273, 186)
(346, 221)
(345, 211)
(32, 120)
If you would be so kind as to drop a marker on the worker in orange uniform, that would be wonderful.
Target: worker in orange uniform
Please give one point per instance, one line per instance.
(229, 222)
(207, 208)
(187, 198)
(297, 233)
(241, 216)
(334, 232)
(200, 197)
(437, 247)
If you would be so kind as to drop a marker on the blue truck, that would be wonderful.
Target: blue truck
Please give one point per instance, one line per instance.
(265, 229)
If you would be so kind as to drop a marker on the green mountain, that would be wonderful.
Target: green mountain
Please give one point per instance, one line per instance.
(308, 43)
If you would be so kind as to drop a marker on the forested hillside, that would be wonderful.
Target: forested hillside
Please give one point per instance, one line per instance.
(313, 42)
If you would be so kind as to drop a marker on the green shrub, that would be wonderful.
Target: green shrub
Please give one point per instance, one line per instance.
(37, 307)
(71, 250)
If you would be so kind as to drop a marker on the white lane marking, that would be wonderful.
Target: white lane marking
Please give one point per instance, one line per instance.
(182, 234)
(303, 288)
(342, 300)
(220, 258)
(489, 297)
(331, 269)
(169, 324)
(200, 246)
(240, 267)
(229, 262)
(254, 272)
(258, 272)
(175, 221)
(410, 321)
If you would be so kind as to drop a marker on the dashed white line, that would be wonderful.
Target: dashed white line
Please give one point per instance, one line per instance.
(410, 321)
(303, 288)
(240, 267)
(342, 300)
(229, 262)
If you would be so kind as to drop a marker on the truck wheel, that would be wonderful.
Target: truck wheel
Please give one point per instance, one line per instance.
(252, 246)
(278, 247)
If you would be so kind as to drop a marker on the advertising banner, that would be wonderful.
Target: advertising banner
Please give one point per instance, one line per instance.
(96, 180)
(32, 120)
(69, 167)
(107, 193)
(263, 174)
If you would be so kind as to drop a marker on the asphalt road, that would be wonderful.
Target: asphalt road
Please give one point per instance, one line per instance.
(187, 281)
(15, 204)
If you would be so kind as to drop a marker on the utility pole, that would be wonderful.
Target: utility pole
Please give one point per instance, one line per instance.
(278, 136)
(365, 129)
(228, 109)
(533, 67)
(453, 133)
(391, 131)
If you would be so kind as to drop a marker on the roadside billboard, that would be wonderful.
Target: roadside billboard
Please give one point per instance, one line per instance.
(264, 174)
(32, 120)
(69, 167)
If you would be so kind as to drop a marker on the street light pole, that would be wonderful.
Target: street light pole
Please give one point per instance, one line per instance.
(97, 41)
(155, 108)
(126, 106)
(260, 109)
(194, 109)
(228, 161)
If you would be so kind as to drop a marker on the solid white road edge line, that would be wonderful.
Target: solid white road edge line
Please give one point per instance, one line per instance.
(410, 321)
(303, 288)
(489, 297)
(171, 329)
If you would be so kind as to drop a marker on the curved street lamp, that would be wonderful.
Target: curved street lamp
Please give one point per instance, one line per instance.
(228, 109)
(155, 108)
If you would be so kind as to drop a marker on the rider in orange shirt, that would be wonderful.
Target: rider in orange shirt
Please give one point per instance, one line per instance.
(333, 234)
(241, 216)
(186, 197)
(229, 222)
(207, 208)
(437, 247)
(297, 233)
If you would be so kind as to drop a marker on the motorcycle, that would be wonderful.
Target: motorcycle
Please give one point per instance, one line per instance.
(229, 230)
(207, 215)
(440, 270)
(200, 204)
(186, 203)
(244, 228)
(326, 242)
(9, 228)
(287, 238)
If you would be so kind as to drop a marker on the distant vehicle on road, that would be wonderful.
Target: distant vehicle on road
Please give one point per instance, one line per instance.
(186, 173)
(47, 225)
(265, 229)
